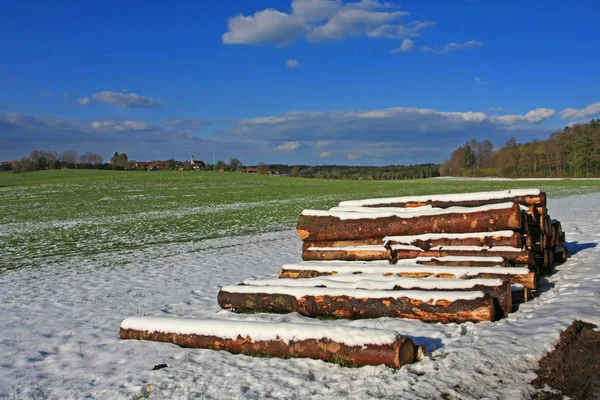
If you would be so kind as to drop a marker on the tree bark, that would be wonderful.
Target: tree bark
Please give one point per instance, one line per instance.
(334, 228)
(488, 241)
(538, 201)
(393, 355)
(459, 311)
(518, 257)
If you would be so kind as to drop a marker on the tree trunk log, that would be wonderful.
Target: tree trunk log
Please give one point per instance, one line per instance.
(352, 253)
(311, 227)
(518, 257)
(425, 243)
(348, 307)
(538, 201)
(395, 355)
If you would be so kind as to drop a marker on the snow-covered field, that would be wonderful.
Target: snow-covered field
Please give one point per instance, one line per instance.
(59, 327)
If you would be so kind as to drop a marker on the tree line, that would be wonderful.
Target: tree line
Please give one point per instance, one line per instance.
(570, 152)
(389, 172)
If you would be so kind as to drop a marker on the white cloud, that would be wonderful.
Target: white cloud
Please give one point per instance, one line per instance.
(496, 109)
(320, 20)
(480, 81)
(45, 94)
(291, 63)
(264, 27)
(322, 143)
(452, 46)
(120, 126)
(130, 100)
(533, 116)
(352, 22)
(406, 45)
(84, 100)
(353, 156)
(325, 154)
(400, 31)
(589, 111)
(289, 146)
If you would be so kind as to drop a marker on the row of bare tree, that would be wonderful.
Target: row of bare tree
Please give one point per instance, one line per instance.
(571, 152)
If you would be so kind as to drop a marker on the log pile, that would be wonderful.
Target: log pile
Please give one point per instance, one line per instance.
(438, 258)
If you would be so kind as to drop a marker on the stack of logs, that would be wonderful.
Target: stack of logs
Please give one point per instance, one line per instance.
(438, 258)
(500, 241)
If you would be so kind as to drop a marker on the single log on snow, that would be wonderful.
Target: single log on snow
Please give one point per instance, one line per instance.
(525, 197)
(482, 239)
(325, 225)
(350, 346)
(429, 306)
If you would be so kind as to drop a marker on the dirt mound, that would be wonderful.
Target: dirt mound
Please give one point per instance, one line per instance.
(573, 368)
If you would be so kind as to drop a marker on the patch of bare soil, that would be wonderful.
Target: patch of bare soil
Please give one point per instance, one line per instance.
(573, 368)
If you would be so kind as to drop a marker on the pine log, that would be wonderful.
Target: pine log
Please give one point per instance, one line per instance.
(395, 354)
(514, 274)
(519, 257)
(560, 254)
(482, 239)
(442, 201)
(349, 253)
(464, 262)
(499, 289)
(476, 307)
(314, 226)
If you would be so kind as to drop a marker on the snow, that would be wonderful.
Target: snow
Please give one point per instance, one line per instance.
(402, 268)
(419, 213)
(60, 324)
(300, 292)
(377, 282)
(437, 236)
(259, 331)
(455, 197)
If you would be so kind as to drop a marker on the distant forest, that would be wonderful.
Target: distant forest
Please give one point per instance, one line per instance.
(571, 152)
(389, 172)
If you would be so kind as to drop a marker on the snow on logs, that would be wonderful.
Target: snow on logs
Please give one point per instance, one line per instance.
(499, 289)
(335, 225)
(428, 306)
(516, 275)
(524, 197)
(351, 346)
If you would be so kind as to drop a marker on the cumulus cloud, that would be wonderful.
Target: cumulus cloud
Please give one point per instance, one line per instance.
(45, 94)
(264, 27)
(353, 156)
(533, 116)
(84, 101)
(291, 63)
(406, 45)
(480, 81)
(322, 143)
(120, 126)
(130, 100)
(452, 46)
(324, 154)
(289, 146)
(589, 111)
(322, 20)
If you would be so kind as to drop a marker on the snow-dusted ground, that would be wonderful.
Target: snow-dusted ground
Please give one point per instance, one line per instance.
(59, 327)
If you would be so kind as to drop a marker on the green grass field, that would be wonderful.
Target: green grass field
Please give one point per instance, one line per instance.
(50, 215)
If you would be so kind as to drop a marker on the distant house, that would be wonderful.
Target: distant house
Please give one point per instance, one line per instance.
(6, 165)
(252, 170)
(196, 165)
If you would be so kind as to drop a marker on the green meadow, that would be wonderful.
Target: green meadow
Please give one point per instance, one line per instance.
(48, 216)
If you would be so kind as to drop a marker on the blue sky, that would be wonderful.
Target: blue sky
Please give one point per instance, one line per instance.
(298, 82)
